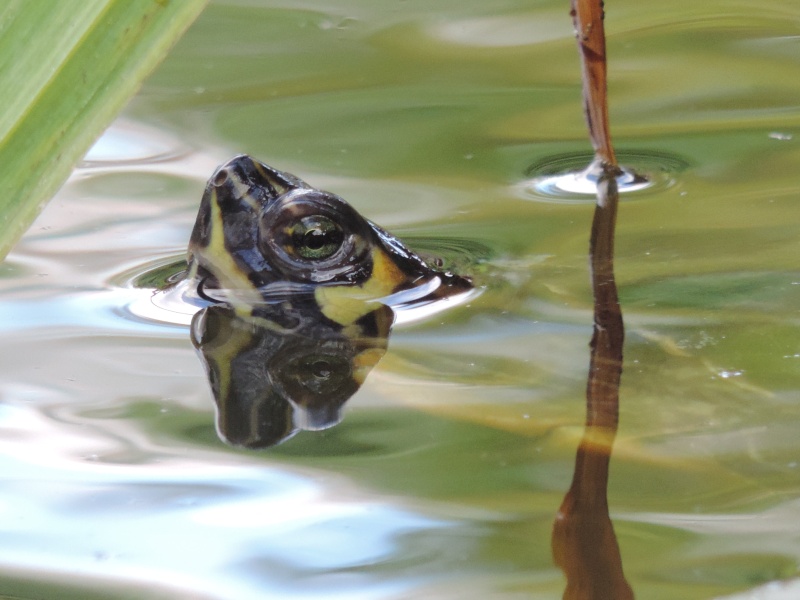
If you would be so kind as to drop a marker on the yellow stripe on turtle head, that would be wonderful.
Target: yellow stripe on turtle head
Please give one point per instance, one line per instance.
(345, 304)
(364, 361)
(222, 265)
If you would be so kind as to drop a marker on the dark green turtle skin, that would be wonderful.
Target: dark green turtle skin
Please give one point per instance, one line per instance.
(298, 285)
(261, 234)
(278, 371)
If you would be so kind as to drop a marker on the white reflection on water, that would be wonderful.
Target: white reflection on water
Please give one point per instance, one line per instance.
(126, 142)
(220, 525)
(172, 539)
(505, 31)
(97, 309)
(775, 590)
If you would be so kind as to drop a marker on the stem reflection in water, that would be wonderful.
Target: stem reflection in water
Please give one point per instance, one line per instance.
(584, 544)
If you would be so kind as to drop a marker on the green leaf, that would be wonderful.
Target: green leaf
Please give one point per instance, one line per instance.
(66, 70)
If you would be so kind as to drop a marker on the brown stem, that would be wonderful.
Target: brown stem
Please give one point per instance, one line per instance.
(587, 17)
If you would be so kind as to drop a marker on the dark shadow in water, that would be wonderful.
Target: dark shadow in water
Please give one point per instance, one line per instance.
(280, 369)
(584, 543)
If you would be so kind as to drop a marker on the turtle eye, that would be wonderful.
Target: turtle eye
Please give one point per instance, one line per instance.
(313, 236)
(316, 237)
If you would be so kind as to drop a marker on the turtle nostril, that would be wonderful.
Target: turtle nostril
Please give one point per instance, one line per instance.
(220, 177)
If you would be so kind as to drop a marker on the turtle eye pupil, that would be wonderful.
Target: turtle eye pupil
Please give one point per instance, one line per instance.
(316, 237)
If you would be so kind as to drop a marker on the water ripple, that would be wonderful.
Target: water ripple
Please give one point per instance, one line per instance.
(566, 178)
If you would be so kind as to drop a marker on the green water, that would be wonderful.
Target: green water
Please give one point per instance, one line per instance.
(434, 119)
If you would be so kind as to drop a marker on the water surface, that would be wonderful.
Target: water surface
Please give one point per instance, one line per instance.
(434, 120)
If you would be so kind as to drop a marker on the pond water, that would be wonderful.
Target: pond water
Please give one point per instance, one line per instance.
(450, 124)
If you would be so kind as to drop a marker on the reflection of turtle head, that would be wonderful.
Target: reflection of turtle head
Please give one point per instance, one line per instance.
(280, 370)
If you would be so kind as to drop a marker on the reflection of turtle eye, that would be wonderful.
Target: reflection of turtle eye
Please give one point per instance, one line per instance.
(309, 378)
(316, 237)
(322, 369)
